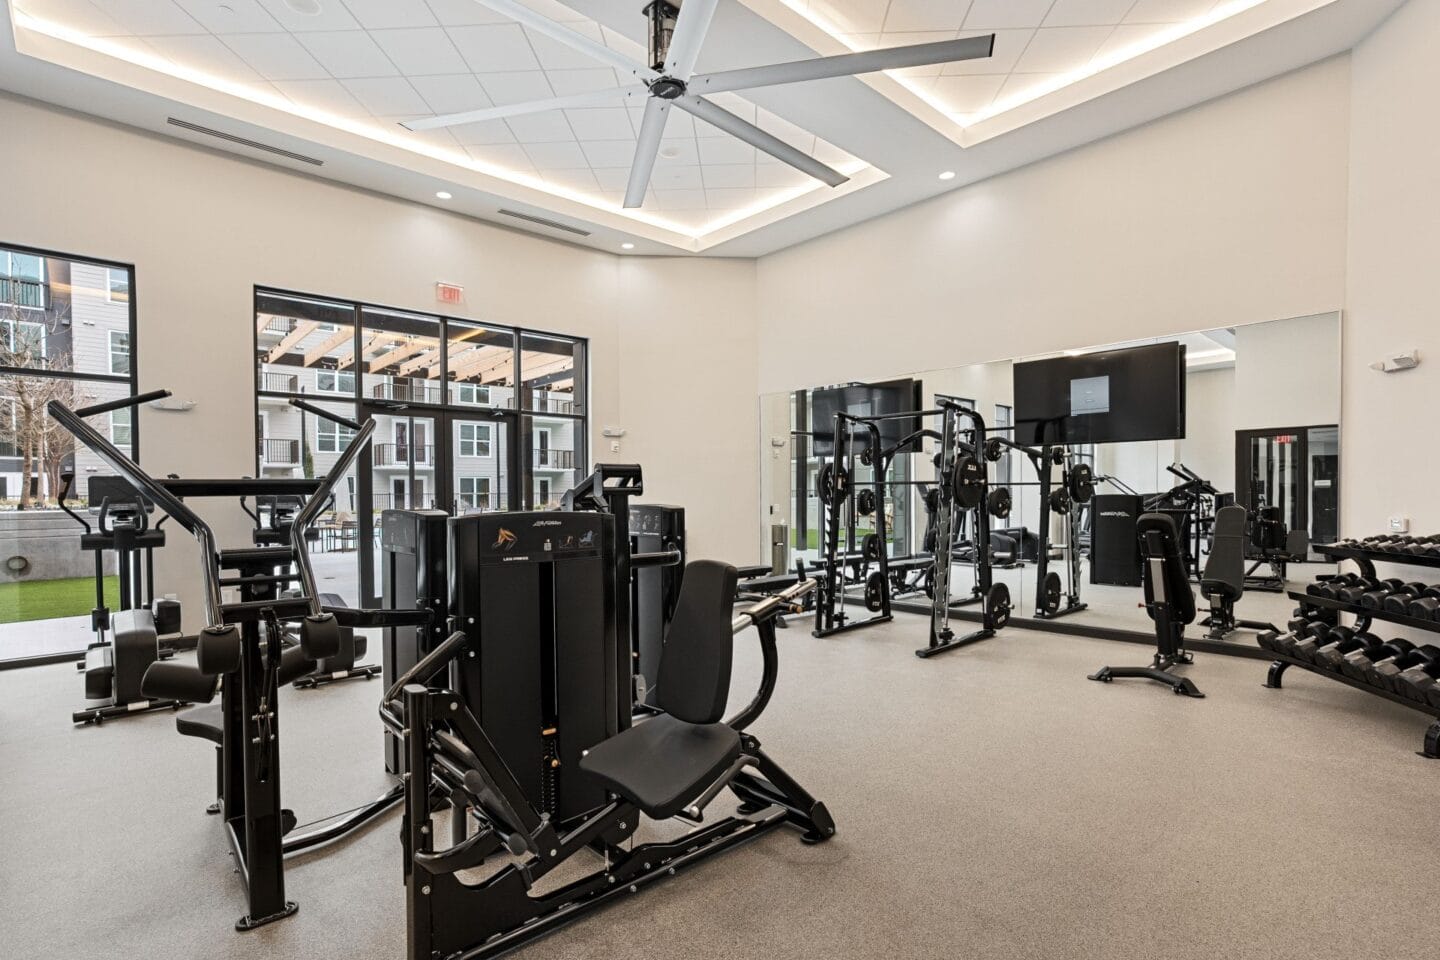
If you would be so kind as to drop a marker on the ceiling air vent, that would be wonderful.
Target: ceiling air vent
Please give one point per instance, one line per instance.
(541, 221)
(242, 141)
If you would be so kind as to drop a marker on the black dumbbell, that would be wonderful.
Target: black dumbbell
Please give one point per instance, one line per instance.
(1415, 680)
(1300, 629)
(1307, 647)
(1352, 593)
(1426, 606)
(1330, 587)
(1357, 663)
(1399, 600)
(1330, 656)
(1384, 672)
(1373, 599)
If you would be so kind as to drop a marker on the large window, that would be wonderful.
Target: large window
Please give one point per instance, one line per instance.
(474, 440)
(62, 337)
(331, 437)
(475, 492)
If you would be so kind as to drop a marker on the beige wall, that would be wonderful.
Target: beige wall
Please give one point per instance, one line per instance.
(204, 228)
(1228, 213)
(1285, 373)
(1390, 463)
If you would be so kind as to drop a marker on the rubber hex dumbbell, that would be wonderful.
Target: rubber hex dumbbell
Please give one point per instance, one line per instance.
(1301, 631)
(1399, 601)
(1426, 606)
(1353, 592)
(1374, 599)
(1357, 664)
(1328, 588)
(1331, 656)
(1306, 648)
(1384, 672)
(1415, 680)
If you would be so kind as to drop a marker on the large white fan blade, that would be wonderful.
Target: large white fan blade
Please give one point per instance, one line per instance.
(616, 95)
(562, 34)
(759, 139)
(690, 30)
(845, 65)
(652, 128)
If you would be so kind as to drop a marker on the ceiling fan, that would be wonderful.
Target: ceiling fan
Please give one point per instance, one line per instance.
(677, 29)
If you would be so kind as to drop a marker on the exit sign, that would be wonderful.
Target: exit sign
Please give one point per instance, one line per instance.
(449, 293)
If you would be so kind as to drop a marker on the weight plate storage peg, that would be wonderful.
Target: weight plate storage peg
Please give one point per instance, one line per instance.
(1060, 501)
(997, 606)
(968, 482)
(865, 502)
(1053, 591)
(999, 503)
(1081, 483)
(875, 588)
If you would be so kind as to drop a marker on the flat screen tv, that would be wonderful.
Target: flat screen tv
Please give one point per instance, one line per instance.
(1113, 396)
(864, 400)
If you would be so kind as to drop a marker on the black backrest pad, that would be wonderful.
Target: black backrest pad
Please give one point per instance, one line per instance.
(1165, 578)
(694, 674)
(1225, 566)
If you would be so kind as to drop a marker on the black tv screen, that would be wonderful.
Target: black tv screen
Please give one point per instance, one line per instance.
(864, 400)
(1114, 396)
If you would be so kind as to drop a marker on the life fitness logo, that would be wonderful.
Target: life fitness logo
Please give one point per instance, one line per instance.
(506, 540)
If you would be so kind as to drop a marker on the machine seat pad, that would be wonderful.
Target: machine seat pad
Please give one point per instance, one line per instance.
(207, 723)
(663, 764)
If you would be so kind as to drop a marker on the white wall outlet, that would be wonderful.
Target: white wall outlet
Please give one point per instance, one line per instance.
(614, 446)
(1399, 524)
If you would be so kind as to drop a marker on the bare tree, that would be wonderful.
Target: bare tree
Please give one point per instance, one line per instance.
(25, 357)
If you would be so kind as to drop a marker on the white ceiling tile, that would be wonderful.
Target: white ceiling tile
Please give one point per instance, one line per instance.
(510, 156)
(561, 155)
(545, 127)
(632, 47)
(1168, 11)
(443, 138)
(773, 173)
(494, 48)
(729, 198)
(484, 133)
(1023, 86)
(82, 15)
(557, 11)
(727, 174)
(451, 94)
(554, 55)
(223, 17)
(332, 16)
(918, 73)
(387, 96)
(676, 178)
(725, 150)
(1062, 49)
(208, 54)
(985, 14)
(852, 16)
(926, 15)
(603, 123)
(1088, 13)
(861, 41)
(420, 51)
(515, 87)
(455, 13)
(348, 53)
(609, 153)
(677, 122)
(967, 94)
(1127, 37)
(379, 14)
(582, 179)
(1009, 44)
(678, 152)
(327, 95)
(568, 82)
(613, 179)
(276, 56)
(680, 199)
(150, 17)
(910, 39)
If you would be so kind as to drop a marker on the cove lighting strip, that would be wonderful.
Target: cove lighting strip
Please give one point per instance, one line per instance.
(154, 62)
(1161, 37)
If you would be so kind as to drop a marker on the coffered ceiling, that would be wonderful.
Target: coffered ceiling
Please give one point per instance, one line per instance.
(335, 84)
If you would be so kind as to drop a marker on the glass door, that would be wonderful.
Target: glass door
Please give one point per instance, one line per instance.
(1294, 469)
(480, 476)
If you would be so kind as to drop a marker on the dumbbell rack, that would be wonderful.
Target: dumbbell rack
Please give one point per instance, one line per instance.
(1366, 560)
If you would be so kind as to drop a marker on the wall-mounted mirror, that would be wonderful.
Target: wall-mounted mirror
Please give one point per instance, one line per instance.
(1261, 407)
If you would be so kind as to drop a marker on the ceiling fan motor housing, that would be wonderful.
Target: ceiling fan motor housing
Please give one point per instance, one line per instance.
(662, 15)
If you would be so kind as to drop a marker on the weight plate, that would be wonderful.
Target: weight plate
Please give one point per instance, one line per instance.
(875, 592)
(999, 502)
(834, 484)
(1057, 454)
(1081, 483)
(968, 482)
(1060, 501)
(865, 502)
(866, 457)
(930, 583)
(994, 449)
(870, 548)
(997, 606)
(1053, 591)
(932, 500)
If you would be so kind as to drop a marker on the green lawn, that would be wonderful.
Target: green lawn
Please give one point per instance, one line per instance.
(43, 599)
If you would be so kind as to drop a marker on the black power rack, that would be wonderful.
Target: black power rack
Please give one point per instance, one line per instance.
(1366, 560)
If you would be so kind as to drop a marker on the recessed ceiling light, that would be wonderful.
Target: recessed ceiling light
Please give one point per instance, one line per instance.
(306, 8)
(669, 153)
(442, 194)
(948, 175)
(627, 246)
